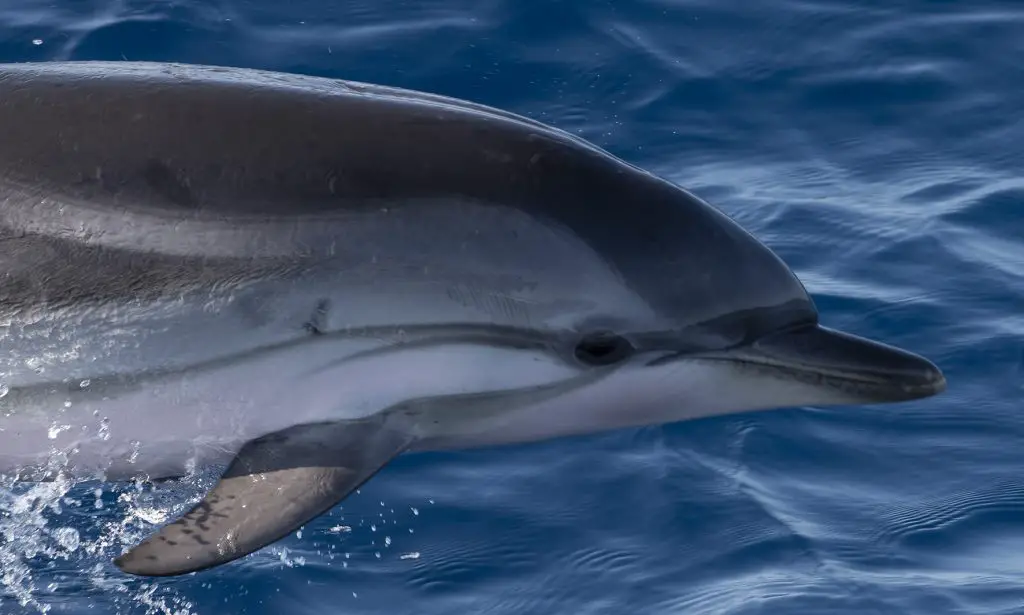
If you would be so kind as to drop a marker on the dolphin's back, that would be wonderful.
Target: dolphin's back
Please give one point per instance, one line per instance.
(241, 143)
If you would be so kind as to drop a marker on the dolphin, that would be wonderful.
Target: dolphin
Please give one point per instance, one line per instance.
(302, 278)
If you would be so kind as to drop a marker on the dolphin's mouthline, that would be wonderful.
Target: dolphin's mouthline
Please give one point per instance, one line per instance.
(877, 387)
(814, 355)
(847, 381)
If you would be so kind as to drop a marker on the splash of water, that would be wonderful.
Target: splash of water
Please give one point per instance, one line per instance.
(42, 555)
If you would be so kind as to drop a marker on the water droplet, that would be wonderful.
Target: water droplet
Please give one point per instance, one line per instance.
(55, 431)
(67, 537)
(85, 383)
(37, 41)
(4, 390)
(387, 541)
(373, 528)
(135, 451)
(416, 511)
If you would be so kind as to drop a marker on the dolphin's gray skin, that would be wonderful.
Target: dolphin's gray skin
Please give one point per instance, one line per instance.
(307, 277)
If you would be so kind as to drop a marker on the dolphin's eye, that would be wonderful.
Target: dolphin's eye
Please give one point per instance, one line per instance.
(603, 348)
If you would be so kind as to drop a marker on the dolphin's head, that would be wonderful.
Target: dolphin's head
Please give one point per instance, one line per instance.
(727, 326)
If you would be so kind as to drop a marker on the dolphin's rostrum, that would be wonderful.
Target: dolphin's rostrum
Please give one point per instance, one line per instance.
(307, 277)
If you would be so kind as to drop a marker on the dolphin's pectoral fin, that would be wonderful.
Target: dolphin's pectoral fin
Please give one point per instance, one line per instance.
(274, 485)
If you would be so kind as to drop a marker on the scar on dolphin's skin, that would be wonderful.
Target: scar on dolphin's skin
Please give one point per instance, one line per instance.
(316, 322)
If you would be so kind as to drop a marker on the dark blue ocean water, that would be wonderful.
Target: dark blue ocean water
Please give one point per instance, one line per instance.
(877, 145)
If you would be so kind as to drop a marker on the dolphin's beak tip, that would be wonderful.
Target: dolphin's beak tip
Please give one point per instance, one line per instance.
(933, 380)
(916, 376)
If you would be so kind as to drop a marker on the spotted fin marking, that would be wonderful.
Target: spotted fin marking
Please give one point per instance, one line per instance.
(274, 485)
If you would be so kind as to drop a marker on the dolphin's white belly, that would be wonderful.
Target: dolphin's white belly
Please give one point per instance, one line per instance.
(161, 425)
